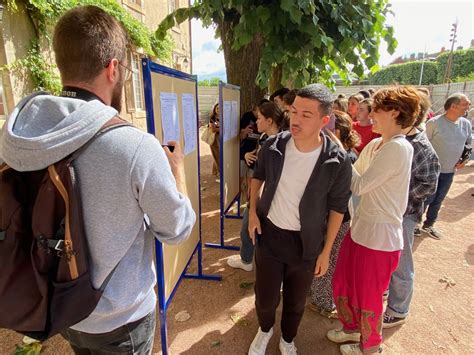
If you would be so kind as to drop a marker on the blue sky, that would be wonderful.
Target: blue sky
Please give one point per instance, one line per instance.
(418, 24)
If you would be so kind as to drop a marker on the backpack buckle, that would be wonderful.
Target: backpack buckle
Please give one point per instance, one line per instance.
(59, 245)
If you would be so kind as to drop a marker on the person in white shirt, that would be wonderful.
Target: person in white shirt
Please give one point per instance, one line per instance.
(370, 253)
(306, 181)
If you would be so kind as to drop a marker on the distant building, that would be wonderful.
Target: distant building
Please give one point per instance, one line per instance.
(16, 32)
(419, 56)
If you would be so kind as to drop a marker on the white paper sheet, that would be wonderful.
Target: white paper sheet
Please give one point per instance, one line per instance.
(235, 120)
(189, 123)
(227, 118)
(169, 116)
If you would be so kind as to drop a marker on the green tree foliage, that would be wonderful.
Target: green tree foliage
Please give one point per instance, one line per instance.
(463, 63)
(209, 82)
(406, 73)
(44, 13)
(329, 35)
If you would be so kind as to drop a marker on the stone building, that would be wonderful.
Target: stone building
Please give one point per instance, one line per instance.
(17, 30)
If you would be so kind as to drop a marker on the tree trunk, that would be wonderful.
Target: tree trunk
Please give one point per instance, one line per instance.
(242, 66)
(275, 80)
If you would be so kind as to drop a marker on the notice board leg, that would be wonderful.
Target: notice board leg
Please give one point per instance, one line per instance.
(200, 275)
(163, 332)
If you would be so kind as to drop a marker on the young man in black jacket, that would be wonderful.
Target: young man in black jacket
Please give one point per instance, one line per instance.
(295, 221)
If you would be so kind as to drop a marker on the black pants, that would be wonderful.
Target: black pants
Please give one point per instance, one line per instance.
(278, 258)
(132, 338)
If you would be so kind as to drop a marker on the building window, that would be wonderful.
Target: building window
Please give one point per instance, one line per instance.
(136, 2)
(137, 82)
(134, 86)
(173, 5)
(3, 104)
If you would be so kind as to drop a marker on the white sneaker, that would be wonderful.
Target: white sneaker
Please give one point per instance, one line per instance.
(354, 349)
(236, 262)
(350, 349)
(260, 342)
(287, 348)
(339, 336)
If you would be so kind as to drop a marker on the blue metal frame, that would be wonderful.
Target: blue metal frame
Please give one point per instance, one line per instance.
(148, 67)
(223, 209)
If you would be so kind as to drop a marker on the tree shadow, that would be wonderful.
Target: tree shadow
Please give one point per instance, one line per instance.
(458, 207)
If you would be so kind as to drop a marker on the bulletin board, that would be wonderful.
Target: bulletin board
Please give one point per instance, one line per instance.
(229, 123)
(171, 106)
(229, 104)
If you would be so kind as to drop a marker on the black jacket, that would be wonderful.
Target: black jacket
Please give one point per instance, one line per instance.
(328, 188)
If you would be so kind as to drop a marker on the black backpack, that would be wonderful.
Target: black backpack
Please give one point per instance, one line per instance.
(45, 283)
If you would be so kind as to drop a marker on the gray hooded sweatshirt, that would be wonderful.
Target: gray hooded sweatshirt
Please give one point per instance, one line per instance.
(123, 175)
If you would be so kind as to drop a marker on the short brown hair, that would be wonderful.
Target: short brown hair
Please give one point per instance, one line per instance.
(404, 99)
(453, 99)
(289, 97)
(86, 39)
(358, 97)
(367, 102)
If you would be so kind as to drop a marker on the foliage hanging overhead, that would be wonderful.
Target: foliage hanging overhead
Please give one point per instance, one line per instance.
(330, 36)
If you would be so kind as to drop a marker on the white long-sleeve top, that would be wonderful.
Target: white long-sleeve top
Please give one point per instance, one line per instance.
(381, 177)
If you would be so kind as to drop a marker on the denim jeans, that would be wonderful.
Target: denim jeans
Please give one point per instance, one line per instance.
(134, 338)
(434, 201)
(247, 248)
(401, 282)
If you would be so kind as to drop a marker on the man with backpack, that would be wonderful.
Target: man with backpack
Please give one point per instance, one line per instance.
(123, 174)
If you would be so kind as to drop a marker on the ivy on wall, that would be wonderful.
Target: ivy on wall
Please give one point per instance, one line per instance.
(44, 13)
(433, 72)
(463, 63)
(406, 74)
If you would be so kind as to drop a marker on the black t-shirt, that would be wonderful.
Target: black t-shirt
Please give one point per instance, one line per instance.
(250, 143)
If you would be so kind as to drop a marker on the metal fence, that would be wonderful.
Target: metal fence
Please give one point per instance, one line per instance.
(439, 93)
(208, 96)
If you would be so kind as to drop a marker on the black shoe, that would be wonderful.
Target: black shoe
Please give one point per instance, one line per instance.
(391, 321)
(417, 232)
(432, 232)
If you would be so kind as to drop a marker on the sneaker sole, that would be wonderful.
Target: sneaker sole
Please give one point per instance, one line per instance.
(240, 267)
(351, 338)
(432, 236)
(393, 325)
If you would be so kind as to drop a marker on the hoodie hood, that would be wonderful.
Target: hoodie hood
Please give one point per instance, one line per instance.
(43, 129)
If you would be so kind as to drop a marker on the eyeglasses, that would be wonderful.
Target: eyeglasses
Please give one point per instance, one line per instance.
(128, 71)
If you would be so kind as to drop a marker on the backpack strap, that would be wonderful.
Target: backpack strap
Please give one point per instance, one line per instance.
(4, 167)
(111, 124)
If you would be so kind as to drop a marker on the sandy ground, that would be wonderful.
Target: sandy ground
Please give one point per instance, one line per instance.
(441, 319)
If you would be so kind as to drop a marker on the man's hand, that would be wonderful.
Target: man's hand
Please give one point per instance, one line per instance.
(460, 166)
(322, 264)
(245, 132)
(250, 158)
(254, 224)
(176, 160)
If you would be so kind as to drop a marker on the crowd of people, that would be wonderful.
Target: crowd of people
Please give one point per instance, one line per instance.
(336, 189)
(339, 187)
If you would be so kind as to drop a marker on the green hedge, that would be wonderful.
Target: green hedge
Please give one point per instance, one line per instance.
(406, 73)
(463, 63)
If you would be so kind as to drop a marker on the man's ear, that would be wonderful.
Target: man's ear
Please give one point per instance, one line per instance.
(112, 70)
(325, 120)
